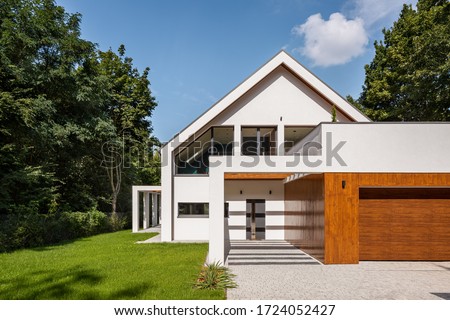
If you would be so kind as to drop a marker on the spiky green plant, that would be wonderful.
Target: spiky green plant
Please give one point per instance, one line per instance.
(333, 114)
(215, 276)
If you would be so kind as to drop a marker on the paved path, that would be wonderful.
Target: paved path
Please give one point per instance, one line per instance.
(299, 277)
(157, 238)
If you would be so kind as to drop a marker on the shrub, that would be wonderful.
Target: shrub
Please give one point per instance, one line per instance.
(32, 230)
(215, 276)
(117, 222)
(82, 224)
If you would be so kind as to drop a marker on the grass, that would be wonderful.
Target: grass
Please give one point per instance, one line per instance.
(106, 266)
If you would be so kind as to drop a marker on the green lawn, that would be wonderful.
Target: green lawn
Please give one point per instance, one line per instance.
(107, 266)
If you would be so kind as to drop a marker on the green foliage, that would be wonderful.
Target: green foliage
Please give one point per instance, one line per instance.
(32, 230)
(117, 223)
(130, 106)
(409, 77)
(16, 185)
(333, 114)
(50, 118)
(371, 113)
(130, 103)
(215, 276)
(61, 100)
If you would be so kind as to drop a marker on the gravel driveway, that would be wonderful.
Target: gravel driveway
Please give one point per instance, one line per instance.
(260, 275)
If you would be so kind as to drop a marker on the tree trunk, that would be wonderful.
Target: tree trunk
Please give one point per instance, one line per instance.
(115, 179)
(114, 205)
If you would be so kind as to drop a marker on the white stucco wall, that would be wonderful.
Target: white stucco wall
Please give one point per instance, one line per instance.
(280, 98)
(190, 189)
(166, 193)
(390, 147)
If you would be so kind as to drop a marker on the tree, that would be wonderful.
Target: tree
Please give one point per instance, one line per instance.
(130, 106)
(333, 113)
(61, 100)
(49, 119)
(409, 77)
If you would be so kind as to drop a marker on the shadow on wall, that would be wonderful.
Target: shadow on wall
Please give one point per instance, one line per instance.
(227, 243)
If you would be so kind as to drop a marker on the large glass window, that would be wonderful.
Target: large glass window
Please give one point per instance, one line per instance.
(193, 157)
(259, 141)
(222, 141)
(293, 135)
(193, 209)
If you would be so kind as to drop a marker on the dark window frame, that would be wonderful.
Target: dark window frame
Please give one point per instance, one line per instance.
(191, 205)
(288, 144)
(202, 168)
(260, 143)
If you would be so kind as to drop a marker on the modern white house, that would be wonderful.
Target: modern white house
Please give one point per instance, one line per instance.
(284, 157)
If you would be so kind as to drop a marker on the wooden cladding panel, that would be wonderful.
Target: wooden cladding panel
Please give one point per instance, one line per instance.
(304, 215)
(347, 232)
(341, 218)
(256, 176)
(404, 179)
(406, 229)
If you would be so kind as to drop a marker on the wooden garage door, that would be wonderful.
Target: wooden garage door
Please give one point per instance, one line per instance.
(404, 224)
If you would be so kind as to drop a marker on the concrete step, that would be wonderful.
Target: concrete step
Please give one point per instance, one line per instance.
(267, 252)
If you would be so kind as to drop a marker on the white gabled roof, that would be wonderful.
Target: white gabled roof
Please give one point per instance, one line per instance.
(282, 58)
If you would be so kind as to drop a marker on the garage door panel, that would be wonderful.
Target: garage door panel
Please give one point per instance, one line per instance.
(439, 251)
(404, 229)
(409, 232)
(410, 236)
(439, 232)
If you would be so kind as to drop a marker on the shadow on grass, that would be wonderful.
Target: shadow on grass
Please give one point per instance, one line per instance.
(130, 292)
(76, 283)
(57, 245)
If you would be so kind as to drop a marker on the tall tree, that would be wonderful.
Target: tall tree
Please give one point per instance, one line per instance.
(61, 100)
(409, 77)
(130, 106)
(49, 117)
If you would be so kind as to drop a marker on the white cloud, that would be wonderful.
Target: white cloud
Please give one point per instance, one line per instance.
(334, 41)
(374, 11)
(340, 39)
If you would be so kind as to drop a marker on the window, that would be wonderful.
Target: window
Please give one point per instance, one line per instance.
(259, 141)
(193, 158)
(293, 135)
(193, 209)
(222, 141)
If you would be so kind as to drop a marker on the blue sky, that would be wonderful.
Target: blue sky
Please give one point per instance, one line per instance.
(199, 50)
